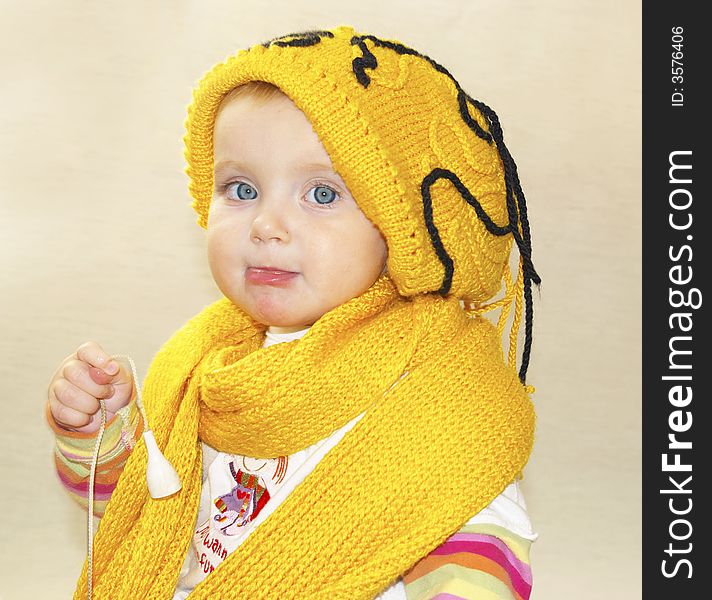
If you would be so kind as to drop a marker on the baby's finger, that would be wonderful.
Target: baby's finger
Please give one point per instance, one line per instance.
(94, 355)
(78, 373)
(99, 376)
(72, 397)
(66, 415)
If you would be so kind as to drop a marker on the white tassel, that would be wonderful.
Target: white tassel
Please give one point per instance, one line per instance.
(161, 477)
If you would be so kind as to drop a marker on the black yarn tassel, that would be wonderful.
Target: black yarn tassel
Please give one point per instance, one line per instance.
(516, 203)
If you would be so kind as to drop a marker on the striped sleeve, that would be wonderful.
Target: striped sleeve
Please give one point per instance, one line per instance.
(73, 453)
(481, 561)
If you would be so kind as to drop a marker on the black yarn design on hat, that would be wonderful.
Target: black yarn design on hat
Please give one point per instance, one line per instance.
(516, 203)
(301, 38)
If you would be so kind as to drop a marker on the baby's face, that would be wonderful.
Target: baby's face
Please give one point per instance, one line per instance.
(279, 204)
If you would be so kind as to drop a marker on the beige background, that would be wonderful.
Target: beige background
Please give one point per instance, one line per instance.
(99, 241)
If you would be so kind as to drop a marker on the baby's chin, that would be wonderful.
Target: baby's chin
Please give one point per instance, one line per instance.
(273, 308)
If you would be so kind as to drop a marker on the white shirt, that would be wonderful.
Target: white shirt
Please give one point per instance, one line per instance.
(240, 492)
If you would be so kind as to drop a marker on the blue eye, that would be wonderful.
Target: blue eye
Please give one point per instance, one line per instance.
(240, 186)
(324, 194)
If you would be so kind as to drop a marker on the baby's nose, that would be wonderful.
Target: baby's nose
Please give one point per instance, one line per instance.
(270, 223)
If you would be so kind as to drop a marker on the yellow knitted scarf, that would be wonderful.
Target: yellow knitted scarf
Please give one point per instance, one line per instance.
(434, 447)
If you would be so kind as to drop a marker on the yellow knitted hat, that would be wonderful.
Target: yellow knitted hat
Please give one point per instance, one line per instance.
(425, 162)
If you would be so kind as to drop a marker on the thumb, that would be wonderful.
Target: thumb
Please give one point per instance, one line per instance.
(99, 376)
(107, 375)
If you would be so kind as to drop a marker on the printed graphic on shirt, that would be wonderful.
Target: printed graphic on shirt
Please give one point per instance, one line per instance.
(255, 465)
(242, 504)
(281, 469)
(218, 535)
(207, 547)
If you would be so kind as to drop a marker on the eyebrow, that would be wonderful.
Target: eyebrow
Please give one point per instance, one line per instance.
(224, 164)
(313, 166)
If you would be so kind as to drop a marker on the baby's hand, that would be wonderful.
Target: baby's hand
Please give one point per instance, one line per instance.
(81, 380)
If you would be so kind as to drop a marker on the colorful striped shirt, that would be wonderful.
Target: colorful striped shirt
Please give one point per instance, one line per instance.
(74, 450)
(482, 561)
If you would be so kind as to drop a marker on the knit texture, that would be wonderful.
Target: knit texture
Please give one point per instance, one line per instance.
(383, 139)
(425, 161)
(448, 421)
(448, 437)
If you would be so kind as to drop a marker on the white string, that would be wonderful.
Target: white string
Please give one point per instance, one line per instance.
(161, 477)
(90, 506)
(137, 387)
(92, 473)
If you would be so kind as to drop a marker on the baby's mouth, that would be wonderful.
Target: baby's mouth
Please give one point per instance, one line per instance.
(269, 276)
